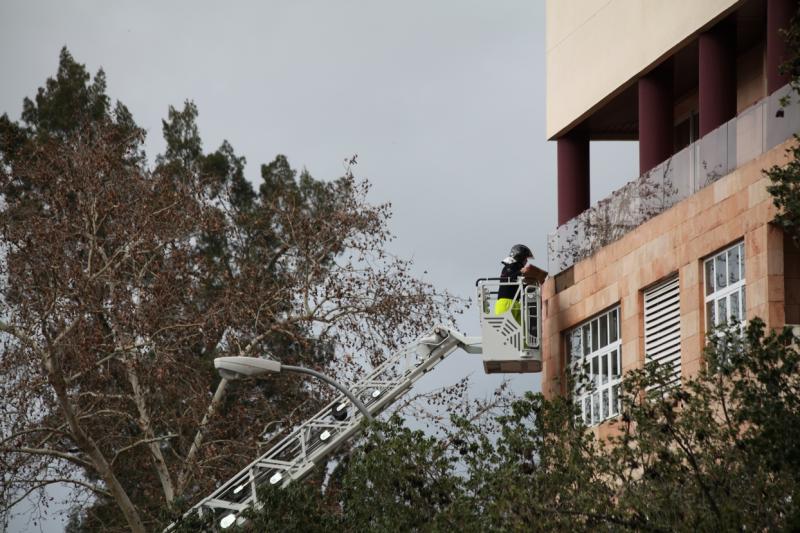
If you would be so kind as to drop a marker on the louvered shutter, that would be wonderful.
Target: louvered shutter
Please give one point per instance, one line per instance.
(662, 326)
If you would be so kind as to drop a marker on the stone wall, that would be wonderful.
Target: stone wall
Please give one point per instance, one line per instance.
(735, 207)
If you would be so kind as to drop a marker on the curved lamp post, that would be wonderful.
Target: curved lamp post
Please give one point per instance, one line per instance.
(252, 367)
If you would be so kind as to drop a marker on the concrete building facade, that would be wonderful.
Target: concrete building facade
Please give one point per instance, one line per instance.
(689, 244)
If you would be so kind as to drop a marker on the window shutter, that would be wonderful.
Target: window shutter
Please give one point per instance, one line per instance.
(662, 327)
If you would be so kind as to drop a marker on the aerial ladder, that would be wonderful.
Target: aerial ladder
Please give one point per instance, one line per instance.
(509, 343)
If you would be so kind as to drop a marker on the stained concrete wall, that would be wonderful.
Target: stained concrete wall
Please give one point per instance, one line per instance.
(596, 47)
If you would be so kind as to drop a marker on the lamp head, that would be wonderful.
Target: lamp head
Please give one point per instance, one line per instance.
(245, 367)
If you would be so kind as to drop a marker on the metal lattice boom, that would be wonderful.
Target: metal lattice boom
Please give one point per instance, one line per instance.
(510, 342)
(296, 455)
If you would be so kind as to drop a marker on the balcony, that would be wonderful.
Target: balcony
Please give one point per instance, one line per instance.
(753, 132)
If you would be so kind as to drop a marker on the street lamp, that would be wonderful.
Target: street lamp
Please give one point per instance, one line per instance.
(252, 367)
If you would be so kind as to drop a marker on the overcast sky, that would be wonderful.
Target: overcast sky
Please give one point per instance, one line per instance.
(443, 101)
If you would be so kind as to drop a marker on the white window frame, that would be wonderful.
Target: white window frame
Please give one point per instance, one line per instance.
(595, 359)
(726, 294)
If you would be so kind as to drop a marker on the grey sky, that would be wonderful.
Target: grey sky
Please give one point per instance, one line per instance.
(443, 101)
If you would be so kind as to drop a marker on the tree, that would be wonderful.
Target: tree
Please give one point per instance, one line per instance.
(718, 454)
(785, 191)
(122, 282)
(785, 187)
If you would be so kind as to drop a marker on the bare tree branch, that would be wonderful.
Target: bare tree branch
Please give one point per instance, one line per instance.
(50, 453)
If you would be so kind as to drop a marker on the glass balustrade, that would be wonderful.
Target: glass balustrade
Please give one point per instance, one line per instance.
(754, 131)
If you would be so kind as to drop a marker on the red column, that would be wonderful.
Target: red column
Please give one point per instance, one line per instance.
(573, 176)
(717, 76)
(655, 117)
(779, 15)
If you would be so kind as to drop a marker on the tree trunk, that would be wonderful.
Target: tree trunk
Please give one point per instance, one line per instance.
(87, 444)
(147, 428)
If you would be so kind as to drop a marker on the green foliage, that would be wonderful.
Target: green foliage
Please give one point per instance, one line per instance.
(785, 191)
(785, 188)
(718, 454)
(409, 476)
(69, 100)
(182, 136)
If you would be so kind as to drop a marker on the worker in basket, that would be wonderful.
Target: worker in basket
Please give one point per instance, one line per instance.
(514, 266)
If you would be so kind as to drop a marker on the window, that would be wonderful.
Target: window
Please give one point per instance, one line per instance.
(725, 287)
(662, 327)
(687, 131)
(596, 362)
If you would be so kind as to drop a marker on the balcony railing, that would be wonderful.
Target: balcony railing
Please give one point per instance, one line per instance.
(756, 130)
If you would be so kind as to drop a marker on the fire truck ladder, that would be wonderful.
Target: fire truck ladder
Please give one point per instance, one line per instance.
(513, 346)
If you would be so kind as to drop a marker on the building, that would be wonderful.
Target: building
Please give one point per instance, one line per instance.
(646, 272)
